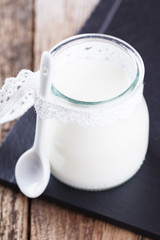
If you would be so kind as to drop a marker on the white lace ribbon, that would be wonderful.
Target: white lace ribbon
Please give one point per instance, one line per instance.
(84, 116)
(20, 93)
(17, 95)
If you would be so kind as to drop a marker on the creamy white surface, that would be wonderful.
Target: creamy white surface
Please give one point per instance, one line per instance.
(91, 80)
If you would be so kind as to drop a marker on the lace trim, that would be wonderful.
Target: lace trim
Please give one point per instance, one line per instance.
(17, 95)
(85, 117)
(20, 93)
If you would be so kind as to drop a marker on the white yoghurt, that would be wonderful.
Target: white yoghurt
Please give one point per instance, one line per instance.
(96, 157)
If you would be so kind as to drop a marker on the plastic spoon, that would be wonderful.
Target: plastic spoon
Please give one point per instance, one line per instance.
(32, 169)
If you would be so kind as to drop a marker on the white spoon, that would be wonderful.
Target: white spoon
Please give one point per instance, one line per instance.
(32, 169)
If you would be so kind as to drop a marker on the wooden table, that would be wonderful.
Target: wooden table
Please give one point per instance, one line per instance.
(27, 28)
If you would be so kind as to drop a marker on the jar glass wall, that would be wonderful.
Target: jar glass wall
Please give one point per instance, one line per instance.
(99, 137)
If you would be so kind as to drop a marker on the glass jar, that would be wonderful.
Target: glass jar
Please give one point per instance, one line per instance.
(94, 141)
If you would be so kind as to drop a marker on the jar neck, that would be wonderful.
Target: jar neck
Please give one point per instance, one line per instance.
(103, 47)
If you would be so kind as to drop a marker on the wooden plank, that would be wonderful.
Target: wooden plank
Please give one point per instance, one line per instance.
(15, 42)
(56, 20)
(15, 53)
(50, 221)
(13, 215)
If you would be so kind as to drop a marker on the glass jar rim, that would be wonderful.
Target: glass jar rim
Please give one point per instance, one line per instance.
(138, 81)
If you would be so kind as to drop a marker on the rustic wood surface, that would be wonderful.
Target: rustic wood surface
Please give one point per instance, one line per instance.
(15, 54)
(27, 28)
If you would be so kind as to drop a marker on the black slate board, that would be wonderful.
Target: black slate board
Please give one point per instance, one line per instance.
(136, 204)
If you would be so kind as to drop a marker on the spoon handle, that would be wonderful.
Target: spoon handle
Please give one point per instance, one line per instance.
(45, 69)
(45, 83)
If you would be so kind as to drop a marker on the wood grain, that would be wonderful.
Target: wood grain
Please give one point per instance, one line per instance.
(16, 39)
(56, 20)
(13, 215)
(50, 221)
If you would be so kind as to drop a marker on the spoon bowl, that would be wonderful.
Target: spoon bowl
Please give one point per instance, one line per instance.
(30, 172)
